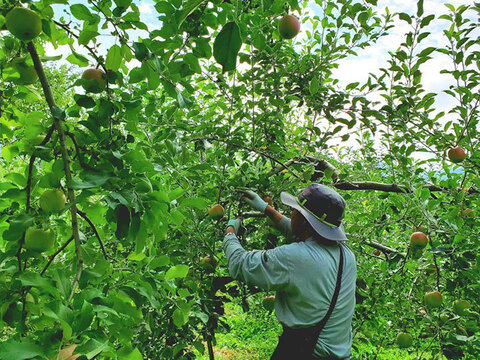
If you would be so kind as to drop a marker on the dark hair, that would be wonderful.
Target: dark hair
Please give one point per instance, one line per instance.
(315, 235)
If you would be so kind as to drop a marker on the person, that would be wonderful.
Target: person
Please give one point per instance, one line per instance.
(315, 296)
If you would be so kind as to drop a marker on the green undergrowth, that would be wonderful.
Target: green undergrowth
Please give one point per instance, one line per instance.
(253, 336)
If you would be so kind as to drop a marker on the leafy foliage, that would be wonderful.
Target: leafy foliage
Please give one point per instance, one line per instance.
(210, 101)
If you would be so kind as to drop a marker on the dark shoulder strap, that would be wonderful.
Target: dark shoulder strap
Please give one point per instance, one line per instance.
(321, 324)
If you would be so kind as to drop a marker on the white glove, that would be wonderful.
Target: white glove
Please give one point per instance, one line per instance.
(255, 201)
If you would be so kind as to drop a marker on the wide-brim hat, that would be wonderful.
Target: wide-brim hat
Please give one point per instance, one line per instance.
(322, 207)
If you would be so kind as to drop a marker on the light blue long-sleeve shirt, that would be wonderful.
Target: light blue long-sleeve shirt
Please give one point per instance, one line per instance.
(304, 275)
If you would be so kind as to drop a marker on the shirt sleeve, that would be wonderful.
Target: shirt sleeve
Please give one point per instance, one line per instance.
(267, 269)
(285, 226)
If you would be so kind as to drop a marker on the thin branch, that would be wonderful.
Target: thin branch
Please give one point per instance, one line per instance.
(81, 160)
(52, 257)
(213, 138)
(92, 225)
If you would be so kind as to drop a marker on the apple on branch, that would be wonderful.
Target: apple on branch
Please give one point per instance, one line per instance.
(288, 26)
(23, 23)
(93, 80)
(456, 155)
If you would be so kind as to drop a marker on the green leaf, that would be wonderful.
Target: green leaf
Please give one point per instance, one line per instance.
(420, 8)
(92, 348)
(84, 101)
(226, 46)
(198, 203)
(178, 318)
(141, 51)
(178, 271)
(36, 280)
(90, 181)
(159, 261)
(314, 85)
(114, 58)
(81, 12)
(129, 354)
(76, 58)
(62, 283)
(188, 8)
(13, 349)
(405, 17)
(86, 317)
(18, 225)
(177, 217)
(184, 101)
(86, 36)
(9, 152)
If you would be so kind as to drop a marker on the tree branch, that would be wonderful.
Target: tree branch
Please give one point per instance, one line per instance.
(52, 257)
(66, 161)
(92, 225)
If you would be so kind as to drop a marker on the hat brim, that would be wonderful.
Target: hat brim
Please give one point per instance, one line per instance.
(334, 233)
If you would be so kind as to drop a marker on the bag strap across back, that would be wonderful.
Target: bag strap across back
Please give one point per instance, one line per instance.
(319, 327)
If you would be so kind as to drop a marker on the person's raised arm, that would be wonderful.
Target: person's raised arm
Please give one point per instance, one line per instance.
(281, 222)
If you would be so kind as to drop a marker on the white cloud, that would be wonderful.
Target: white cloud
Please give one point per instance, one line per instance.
(145, 8)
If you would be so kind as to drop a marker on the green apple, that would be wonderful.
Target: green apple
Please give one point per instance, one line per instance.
(52, 200)
(23, 23)
(38, 239)
(404, 340)
(433, 299)
(460, 306)
(94, 80)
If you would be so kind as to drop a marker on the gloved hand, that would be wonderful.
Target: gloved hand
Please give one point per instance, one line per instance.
(255, 201)
(235, 223)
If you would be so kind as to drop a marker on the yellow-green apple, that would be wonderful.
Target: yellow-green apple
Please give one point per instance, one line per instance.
(38, 239)
(23, 23)
(433, 299)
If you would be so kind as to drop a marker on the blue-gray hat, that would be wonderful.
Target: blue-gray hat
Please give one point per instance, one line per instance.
(323, 208)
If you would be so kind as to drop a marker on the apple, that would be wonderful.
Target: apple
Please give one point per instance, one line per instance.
(288, 26)
(377, 253)
(23, 23)
(208, 263)
(94, 81)
(52, 200)
(216, 211)
(460, 307)
(268, 302)
(433, 299)
(456, 155)
(29, 145)
(28, 74)
(404, 340)
(38, 239)
(418, 240)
